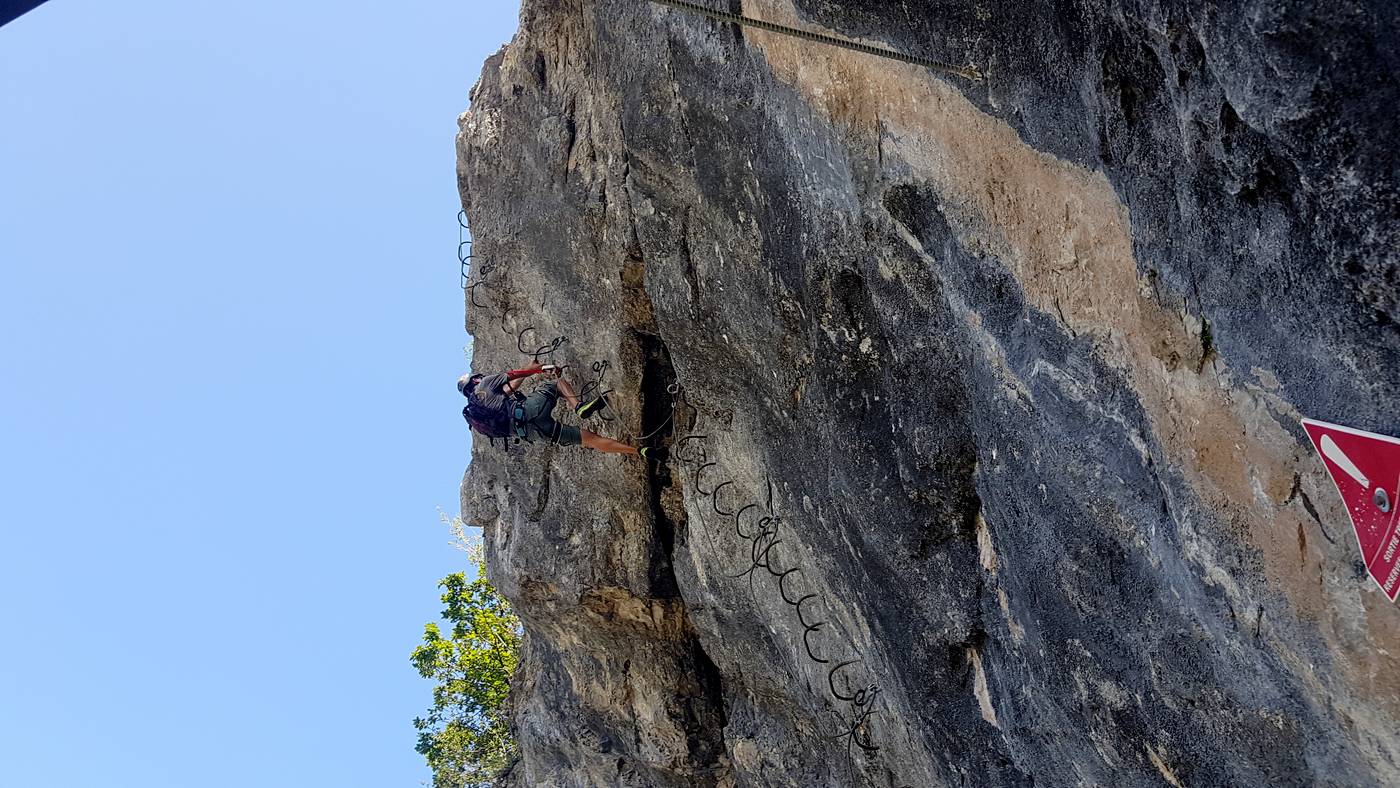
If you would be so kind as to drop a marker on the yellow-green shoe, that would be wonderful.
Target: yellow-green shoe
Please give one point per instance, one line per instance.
(592, 407)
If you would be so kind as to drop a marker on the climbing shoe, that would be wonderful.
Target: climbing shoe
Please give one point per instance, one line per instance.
(591, 407)
(653, 453)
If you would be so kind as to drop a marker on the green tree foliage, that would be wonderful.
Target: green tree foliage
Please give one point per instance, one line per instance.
(465, 735)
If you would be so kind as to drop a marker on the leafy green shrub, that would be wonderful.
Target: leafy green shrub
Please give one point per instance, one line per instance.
(466, 734)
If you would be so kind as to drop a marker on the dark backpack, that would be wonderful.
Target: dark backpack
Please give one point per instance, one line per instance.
(491, 422)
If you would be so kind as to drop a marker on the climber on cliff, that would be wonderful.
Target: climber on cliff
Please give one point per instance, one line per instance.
(496, 408)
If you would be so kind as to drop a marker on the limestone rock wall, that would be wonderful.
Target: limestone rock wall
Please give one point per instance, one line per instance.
(998, 381)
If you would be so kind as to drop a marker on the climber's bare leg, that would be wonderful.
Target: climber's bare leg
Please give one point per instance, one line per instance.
(607, 445)
(566, 390)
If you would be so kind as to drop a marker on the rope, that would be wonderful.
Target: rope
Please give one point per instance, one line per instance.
(724, 16)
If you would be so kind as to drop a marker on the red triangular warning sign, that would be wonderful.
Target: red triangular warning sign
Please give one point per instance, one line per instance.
(1366, 469)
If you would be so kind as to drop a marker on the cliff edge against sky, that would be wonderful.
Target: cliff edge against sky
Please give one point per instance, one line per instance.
(983, 396)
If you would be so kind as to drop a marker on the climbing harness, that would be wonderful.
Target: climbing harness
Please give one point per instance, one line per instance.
(518, 423)
(738, 19)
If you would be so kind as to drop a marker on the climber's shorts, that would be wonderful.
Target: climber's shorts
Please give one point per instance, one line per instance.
(539, 407)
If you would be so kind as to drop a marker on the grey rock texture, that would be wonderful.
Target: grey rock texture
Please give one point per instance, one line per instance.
(999, 381)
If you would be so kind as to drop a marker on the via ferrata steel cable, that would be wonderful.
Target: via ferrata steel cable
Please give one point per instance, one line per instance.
(738, 19)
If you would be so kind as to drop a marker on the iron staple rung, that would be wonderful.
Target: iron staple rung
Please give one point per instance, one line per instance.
(725, 16)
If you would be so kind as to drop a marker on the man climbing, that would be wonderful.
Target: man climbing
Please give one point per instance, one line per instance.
(496, 408)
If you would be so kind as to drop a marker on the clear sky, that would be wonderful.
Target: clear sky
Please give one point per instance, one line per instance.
(230, 327)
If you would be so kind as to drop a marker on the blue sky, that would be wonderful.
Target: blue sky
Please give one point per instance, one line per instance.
(231, 327)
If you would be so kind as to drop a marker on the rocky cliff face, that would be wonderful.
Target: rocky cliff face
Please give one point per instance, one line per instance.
(983, 397)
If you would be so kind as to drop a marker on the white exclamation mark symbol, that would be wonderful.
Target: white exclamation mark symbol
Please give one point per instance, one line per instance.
(1333, 452)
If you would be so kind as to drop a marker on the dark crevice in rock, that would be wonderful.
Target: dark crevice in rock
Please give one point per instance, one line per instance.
(1207, 346)
(702, 704)
(541, 73)
(656, 409)
(705, 718)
